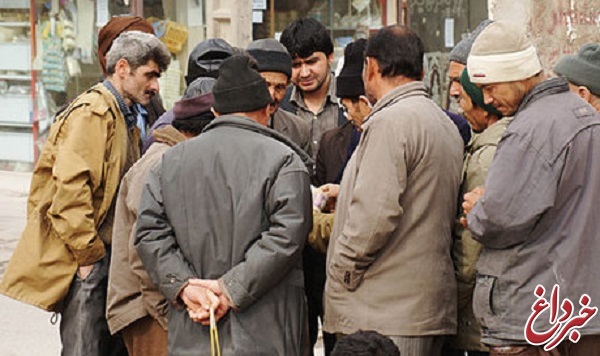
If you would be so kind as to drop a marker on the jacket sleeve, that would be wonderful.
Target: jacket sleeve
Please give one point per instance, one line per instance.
(320, 167)
(375, 209)
(154, 301)
(279, 248)
(155, 241)
(78, 171)
(516, 195)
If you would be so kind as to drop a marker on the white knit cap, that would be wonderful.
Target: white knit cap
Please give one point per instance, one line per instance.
(502, 53)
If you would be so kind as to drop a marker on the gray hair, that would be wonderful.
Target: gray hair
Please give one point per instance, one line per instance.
(138, 48)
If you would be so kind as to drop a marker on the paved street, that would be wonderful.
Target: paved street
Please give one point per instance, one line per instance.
(24, 330)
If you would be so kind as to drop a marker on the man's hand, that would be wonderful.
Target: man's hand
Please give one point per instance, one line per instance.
(332, 190)
(199, 300)
(470, 199)
(215, 287)
(84, 271)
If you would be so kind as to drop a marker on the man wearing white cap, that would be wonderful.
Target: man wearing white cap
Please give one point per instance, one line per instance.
(536, 218)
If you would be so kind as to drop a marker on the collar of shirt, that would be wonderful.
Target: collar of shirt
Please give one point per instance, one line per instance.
(297, 99)
(129, 116)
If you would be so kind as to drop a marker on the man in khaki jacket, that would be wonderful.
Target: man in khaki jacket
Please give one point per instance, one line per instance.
(489, 125)
(389, 267)
(61, 261)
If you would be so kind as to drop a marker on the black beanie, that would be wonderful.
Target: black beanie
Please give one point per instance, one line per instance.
(239, 87)
(271, 56)
(349, 82)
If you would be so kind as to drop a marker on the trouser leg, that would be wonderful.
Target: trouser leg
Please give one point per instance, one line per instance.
(145, 337)
(83, 326)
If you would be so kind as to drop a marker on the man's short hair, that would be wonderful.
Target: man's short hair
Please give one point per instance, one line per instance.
(305, 36)
(365, 343)
(398, 50)
(138, 48)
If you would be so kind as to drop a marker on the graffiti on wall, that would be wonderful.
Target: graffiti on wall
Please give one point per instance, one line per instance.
(572, 24)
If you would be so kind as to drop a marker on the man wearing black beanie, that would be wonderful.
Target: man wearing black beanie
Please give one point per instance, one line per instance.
(275, 66)
(222, 225)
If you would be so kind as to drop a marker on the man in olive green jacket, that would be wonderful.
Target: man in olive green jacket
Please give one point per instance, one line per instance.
(389, 267)
(488, 124)
(61, 261)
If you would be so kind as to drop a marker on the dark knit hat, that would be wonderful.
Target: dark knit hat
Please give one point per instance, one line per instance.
(205, 59)
(113, 28)
(193, 107)
(476, 94)
(582, 68)
(239, 87)
(271, 56)
(461, 51)
(349, 82)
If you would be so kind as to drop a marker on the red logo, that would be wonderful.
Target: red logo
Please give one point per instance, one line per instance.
(564, 324)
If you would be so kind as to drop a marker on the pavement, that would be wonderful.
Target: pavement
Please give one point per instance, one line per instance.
(24, 329)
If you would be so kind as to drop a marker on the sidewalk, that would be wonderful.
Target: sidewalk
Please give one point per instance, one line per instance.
(25, 330)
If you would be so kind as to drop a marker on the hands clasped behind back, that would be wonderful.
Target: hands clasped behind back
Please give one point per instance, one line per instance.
(200, 295)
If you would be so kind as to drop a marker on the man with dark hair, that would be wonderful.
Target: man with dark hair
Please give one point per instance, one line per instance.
(222, 224)
(365, 343)
(389, 267)
(313, 95)
(135, 308)
(61, 262)
(275, 65)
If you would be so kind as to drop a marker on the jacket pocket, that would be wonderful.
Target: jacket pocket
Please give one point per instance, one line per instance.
(483, 299)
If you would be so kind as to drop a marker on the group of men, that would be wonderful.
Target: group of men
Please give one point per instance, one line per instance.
(436, 246)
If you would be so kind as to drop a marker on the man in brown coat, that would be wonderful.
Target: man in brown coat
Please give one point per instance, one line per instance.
(389, 267)
(135, 307)
(61, 261)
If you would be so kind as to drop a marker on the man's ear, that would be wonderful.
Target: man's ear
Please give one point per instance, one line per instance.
(422, 74)
(371, 68)
(584, 93)
(330, 58)
(215, 112)
(122, 67)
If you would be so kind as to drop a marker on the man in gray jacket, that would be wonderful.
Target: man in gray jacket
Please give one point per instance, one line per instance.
(389, 267)
(537, 219)
(222, 224)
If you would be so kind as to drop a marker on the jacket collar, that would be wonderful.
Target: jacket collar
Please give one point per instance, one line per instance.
(245, 123)
(416, 88)
(129, 116)
(547, 87)
(490, 136)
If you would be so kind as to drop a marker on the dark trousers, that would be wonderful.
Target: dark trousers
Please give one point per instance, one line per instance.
(314, 284)
(587, 346)
(83, 326)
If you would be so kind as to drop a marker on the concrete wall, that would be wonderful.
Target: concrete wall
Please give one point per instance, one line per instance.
(557, 27)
